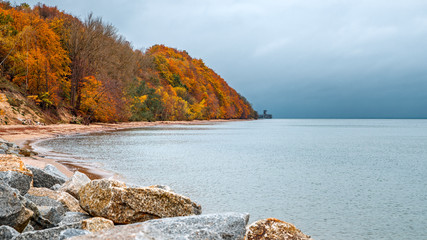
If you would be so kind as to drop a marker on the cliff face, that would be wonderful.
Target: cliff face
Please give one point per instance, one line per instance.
(56, 62)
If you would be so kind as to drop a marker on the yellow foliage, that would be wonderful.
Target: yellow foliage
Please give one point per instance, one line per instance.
(142, 98)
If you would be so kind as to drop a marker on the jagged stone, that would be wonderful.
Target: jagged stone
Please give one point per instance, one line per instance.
(70, 203)
(28, 228)
(12, 210)
(210, 226)
(66, 234)
(73, 217)
(50, 169)
(113, 200)
(97, 224)
(7, 232)
(272, 228)
(37, 221)
(50, 233)
(47, 177)
(75, 183)
(16, 180)
(49, 209)
(14, 173)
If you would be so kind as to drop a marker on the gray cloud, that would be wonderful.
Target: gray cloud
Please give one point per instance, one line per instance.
(297, 58)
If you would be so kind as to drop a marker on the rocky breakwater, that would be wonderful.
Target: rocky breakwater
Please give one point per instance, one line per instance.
(44, 204)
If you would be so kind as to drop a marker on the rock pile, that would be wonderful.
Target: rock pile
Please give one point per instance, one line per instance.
(44, 204)
(11, 148)
(8, 147)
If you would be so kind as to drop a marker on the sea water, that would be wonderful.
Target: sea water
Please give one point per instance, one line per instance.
(333, 179)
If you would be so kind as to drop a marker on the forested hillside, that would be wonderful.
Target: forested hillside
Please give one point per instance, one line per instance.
(61, 63)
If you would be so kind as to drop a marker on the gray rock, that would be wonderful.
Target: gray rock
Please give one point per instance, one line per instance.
(7, 232)
(37, 221)
(210, 226)
(72, 233)
(12, 210)
(8, 148)
(49, 209)
(50, 233)
(47, 178)
(29, 228)
(17, 180)
(73, 217)
(75, 183)
(50, 169)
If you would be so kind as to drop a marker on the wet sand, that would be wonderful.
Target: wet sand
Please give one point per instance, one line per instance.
(27, 136)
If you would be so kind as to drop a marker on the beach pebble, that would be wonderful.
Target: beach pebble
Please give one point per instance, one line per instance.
(113, 200)
(272, 228)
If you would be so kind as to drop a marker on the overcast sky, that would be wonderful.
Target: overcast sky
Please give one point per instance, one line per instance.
(296, 58)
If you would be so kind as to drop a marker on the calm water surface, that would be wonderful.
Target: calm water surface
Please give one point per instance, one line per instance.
(334, 179)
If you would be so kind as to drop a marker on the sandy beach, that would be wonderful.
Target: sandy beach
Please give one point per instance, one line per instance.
(25, 136)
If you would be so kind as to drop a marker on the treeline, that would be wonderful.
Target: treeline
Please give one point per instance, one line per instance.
(59, 62)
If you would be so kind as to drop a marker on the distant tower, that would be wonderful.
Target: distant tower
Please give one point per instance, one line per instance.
(265, 115)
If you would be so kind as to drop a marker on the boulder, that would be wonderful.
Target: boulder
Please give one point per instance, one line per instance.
(49, 209)
(72, 232)
(210, 226)
(46, 177)
(69, 202)
(272, 228)
(12, 210)
(75, 183)
(113, 200)
(50, 169)
(37, 221)
(50, 233)
(97, 224)
(73, 217)
(7, 232)
(14, 173)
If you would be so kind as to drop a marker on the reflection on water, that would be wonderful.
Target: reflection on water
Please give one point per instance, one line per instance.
(334, 179)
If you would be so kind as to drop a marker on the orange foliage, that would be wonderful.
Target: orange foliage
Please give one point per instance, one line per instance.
(37, 61)
(205, 94)
(96, 104)
(59, 61)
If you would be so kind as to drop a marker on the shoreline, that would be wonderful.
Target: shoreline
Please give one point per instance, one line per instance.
(27, 137)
